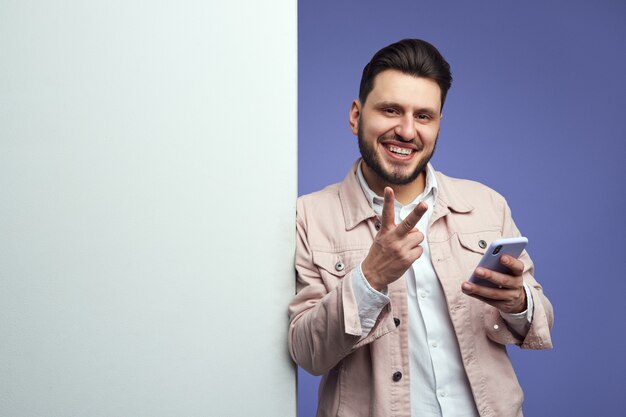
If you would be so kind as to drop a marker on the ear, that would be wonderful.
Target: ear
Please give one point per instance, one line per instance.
(355, 114)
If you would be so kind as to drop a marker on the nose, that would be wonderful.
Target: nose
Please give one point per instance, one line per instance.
(406, 128)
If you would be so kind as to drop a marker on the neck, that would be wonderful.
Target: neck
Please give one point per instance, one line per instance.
(404, 193)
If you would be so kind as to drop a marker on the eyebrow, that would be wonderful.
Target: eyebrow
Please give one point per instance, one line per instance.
(383, 104)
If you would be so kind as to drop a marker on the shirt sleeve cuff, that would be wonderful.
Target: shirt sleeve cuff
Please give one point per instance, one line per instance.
(369, 301)
(520, 322)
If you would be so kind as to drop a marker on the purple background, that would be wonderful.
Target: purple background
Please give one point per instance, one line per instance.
(537, 112)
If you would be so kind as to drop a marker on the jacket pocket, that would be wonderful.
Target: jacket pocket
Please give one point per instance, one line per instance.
(478, 242)
(333, 266)
(473, 246)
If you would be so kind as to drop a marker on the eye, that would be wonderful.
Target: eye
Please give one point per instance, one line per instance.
(390, 111)
(423, 116)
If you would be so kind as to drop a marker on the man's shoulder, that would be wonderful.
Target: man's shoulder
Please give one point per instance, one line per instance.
(474, 192)
(326, 199)
(327, 193)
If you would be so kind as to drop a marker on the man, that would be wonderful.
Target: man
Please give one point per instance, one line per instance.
(383, 308)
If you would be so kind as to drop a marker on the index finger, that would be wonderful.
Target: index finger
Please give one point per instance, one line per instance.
(389, 211)
(411, 220)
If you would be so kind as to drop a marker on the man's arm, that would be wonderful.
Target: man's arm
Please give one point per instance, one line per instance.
(324, 324)
(511, 298)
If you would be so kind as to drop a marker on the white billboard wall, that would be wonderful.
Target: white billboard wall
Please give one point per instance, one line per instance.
(148, 185)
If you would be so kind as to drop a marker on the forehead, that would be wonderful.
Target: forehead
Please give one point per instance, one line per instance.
(395, 86)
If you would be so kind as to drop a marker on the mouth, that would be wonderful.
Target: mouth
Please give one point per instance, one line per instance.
(398, 152)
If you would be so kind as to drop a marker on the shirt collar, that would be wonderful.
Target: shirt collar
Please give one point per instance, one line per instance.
(356, 207)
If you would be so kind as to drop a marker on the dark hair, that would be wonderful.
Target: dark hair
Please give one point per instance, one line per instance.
(411, 56)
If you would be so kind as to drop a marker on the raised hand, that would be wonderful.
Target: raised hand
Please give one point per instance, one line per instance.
(395, 247)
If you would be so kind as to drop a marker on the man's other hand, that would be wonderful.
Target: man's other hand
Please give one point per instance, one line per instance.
(509, 296)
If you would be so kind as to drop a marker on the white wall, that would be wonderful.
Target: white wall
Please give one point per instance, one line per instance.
(147, 190)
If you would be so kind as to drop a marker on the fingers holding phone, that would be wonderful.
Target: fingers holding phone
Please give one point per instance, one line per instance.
(498, 280)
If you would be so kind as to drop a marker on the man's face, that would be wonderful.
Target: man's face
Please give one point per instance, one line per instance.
(397, 126)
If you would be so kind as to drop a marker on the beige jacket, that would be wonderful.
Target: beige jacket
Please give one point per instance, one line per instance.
(335, 228)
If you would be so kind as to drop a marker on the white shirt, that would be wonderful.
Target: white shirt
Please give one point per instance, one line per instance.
(439, 384)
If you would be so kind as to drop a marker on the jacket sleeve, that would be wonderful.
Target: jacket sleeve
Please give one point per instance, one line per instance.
(538, 336)
(324, 322)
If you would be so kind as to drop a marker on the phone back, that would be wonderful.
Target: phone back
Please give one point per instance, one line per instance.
(513, 246)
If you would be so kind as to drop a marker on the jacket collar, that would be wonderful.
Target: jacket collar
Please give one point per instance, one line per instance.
(354, 203)
(450, 196)
(356, 208)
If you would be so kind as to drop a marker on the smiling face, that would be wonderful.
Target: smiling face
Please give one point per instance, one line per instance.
(397, 127)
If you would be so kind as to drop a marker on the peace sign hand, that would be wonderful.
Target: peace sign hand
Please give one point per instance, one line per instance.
(395, 247)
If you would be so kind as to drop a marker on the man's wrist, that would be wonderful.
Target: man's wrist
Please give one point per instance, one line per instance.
(371, 277)
(523, 304)
(525, 316)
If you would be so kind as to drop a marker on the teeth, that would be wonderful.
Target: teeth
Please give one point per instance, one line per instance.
(401, 151)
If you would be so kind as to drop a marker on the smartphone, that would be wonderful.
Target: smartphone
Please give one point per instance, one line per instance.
(512, 246)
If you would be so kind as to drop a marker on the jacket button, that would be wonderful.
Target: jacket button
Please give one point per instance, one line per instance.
(397, 376)
(482, 244)
(377, 225)
(339, 266)
(396, 321)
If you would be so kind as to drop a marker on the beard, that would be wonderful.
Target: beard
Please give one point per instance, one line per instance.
(394, 176)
